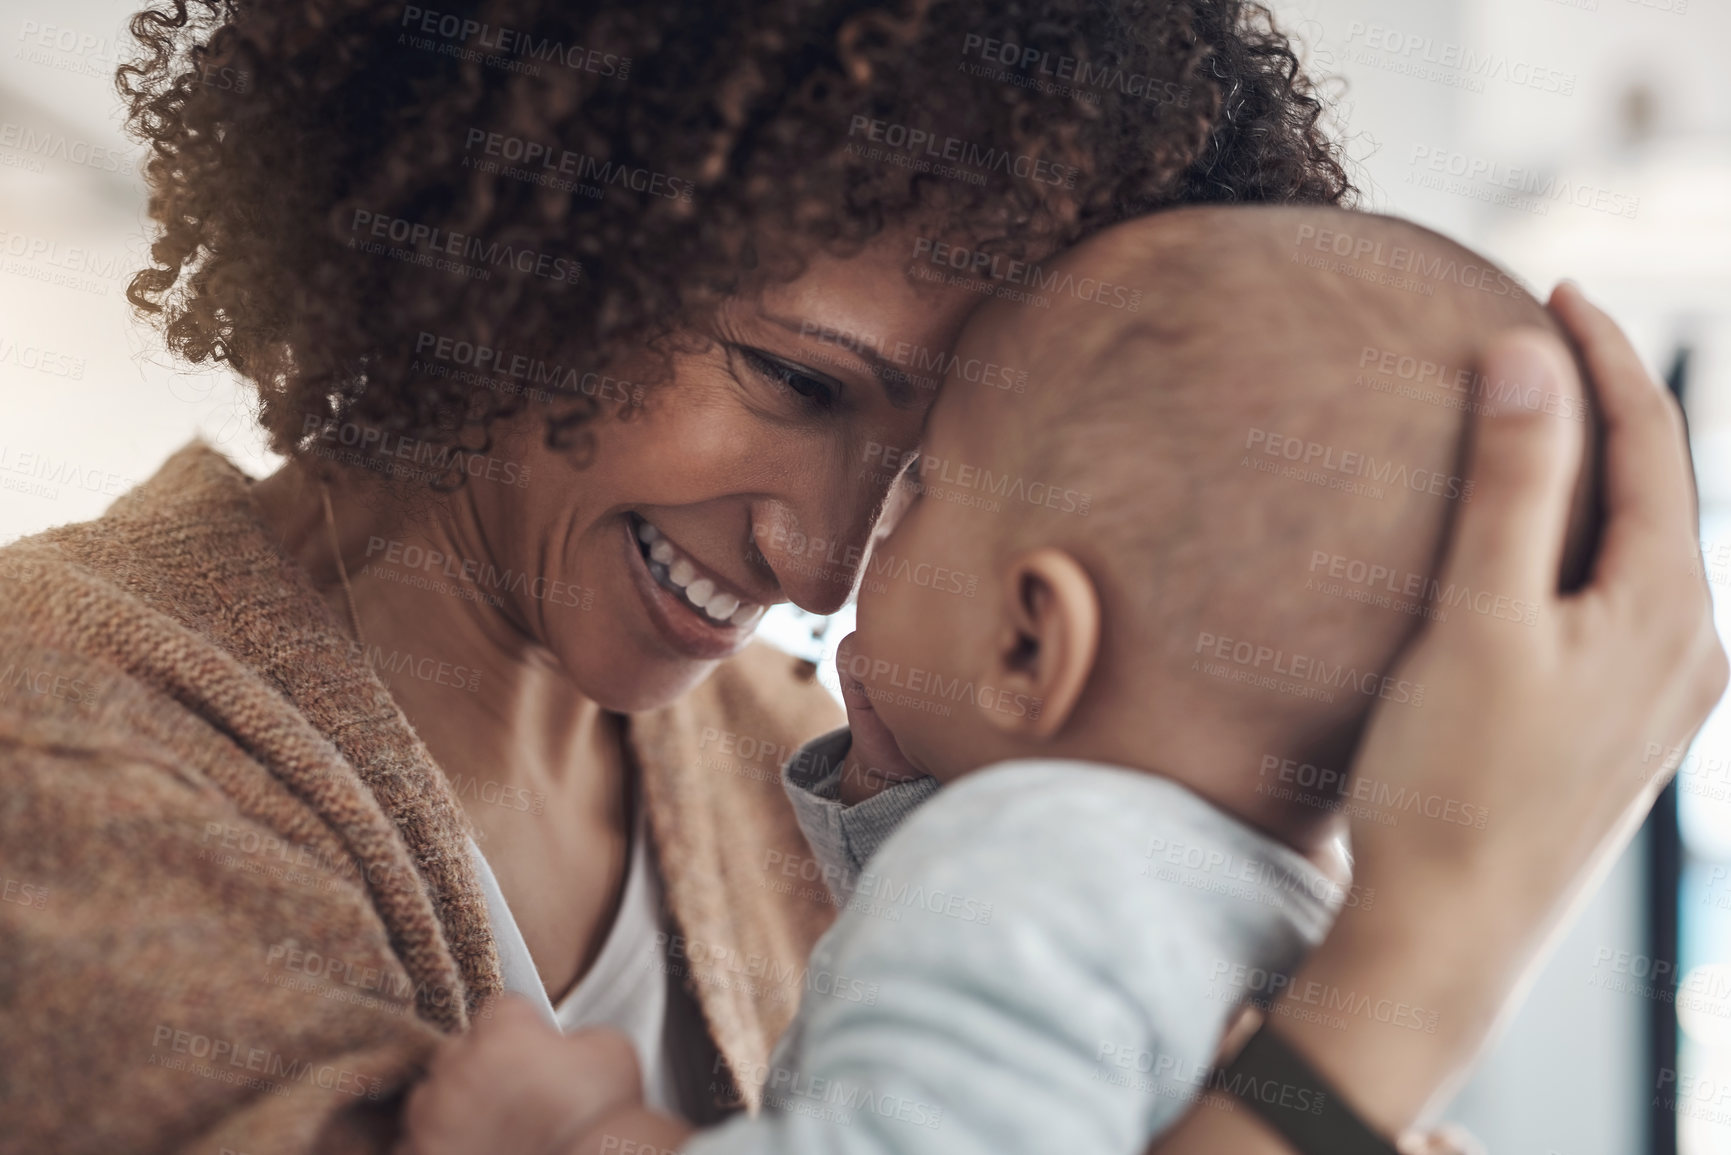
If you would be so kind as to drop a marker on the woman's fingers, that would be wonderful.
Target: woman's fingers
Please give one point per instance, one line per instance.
(512, 1082)
(1649, 494)
(1522, 463)
(1649, 560)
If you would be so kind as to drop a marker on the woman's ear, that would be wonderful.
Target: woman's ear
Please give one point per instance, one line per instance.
(1048, 638)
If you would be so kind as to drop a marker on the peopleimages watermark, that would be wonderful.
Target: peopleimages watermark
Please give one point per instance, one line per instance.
(41, 359)
(1658, 759)
(519, 158)
(1414, 377)
(49, 262)
(622, 1145)
(612, 1144)
(1391, 264)
(873, 893)
(995, 273)
(506, 797)
(763, 979)
(463, 253)
(1209, 868)
(1358, 795)
(1186, 1080)
(42, 475)
(830, 1100)
(307, 970)
(21, 893)
(243, 847)
(945, 479)
(1446, 170)
(1276, 989)
(1059, 75)
(472, 574)
(1295, 674)
(421, 667)
(720, 966)
(919, 365)
(533, 377)
(931, 692)
(233, 1061)
(1416, 594)
(67, 49)
(1704, 991)
(765, 751)
(31, 148)
(59, 685)
(762, 759)
(432, 459)
(1713, 562)
(1348, 470)
(1445, 62)
(1700, 775)
(501, 47)
(968, 157)
(1700, 1097)
(830, 560)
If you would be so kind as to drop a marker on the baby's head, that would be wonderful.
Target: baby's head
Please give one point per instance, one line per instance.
(1199, 538)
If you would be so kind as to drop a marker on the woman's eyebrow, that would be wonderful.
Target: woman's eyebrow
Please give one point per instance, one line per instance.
(899, 385)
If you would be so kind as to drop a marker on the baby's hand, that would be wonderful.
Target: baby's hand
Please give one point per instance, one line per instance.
(874, 761)
(513, 1083)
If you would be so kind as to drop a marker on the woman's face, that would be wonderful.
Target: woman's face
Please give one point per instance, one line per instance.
(753, 476)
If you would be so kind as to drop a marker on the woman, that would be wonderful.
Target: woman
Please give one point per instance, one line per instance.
(643, 267)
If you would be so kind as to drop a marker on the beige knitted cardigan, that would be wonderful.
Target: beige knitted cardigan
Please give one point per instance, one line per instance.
(236, 903)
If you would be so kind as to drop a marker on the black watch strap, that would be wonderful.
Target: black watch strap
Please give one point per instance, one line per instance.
(1285, 1091)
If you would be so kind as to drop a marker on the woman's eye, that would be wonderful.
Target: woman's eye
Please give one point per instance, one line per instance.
(820, 394)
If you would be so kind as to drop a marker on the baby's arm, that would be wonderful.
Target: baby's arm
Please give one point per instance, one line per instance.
(1018, 971)
(1021, 969)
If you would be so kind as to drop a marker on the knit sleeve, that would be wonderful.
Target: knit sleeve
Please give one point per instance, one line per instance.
(177, 977)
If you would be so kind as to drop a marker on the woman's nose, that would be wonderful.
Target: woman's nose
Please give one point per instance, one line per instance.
(816, 548)
(814, 568)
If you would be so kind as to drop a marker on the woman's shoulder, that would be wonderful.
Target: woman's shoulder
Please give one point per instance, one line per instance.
(168, 623)
(147, 544)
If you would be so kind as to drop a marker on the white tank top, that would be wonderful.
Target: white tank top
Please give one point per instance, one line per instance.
(625, 988)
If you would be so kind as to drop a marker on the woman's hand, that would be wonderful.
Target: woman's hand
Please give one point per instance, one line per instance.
(1563, 732)
(514, 1084)
(1576, 722)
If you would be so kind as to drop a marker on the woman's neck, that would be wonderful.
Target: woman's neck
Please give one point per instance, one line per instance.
(538, 767)
(488, 700)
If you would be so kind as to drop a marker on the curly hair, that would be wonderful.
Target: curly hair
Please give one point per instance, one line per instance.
(419, 219)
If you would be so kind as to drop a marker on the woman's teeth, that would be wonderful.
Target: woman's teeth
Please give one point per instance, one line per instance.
(673, 569)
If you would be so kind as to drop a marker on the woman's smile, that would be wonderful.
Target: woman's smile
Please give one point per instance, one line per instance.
(699, 612)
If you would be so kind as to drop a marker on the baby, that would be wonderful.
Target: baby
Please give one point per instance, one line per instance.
(1197, 544)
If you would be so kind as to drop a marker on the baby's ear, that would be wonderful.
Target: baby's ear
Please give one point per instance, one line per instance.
(1047, 641)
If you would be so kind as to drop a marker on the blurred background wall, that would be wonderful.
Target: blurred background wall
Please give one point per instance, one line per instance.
(1588, 138)
(1591, 139)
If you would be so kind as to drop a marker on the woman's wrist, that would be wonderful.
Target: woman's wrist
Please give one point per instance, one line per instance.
(1395, 1004)
(1390, 1010)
